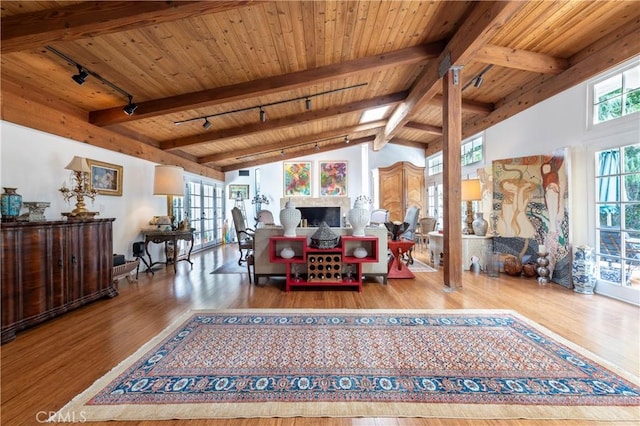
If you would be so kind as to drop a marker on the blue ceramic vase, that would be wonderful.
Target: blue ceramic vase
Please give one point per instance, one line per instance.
(584, 270)
(10, 204)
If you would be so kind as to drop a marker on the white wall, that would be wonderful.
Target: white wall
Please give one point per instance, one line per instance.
(34, 162)
(358, 162)
(562, 122)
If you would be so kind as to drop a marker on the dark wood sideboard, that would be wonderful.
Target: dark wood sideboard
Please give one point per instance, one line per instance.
(49, 268)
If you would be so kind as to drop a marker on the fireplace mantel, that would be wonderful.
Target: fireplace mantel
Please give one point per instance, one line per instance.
(343, 202)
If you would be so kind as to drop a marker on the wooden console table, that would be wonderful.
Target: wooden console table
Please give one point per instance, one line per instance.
(158, 237)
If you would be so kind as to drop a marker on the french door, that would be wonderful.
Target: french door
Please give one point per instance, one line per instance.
(203, 204)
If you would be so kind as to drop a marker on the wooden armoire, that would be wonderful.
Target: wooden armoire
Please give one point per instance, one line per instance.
(401, 185)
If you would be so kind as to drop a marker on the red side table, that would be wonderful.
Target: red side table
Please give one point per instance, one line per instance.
(397, 269)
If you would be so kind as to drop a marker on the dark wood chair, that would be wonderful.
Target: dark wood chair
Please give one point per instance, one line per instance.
(244, 235)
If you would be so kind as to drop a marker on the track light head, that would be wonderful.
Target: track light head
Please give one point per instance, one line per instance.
(263, 115)
(131, 107)
(478, 81)
(316, 147)
(307, 104)
(81, 76)
(206, 123)
(282, 153)
(346, 139)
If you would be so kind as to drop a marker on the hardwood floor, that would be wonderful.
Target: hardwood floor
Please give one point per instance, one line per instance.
(46, 366)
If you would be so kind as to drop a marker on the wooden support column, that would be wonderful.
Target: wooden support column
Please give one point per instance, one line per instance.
(451, 144)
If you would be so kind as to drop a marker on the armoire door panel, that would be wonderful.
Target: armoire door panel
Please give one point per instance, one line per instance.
(392, 195)
(401, 186)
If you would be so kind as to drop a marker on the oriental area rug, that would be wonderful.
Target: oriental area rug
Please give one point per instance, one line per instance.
(352, 363)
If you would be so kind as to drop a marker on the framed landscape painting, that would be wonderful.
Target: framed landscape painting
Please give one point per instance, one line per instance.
(297, 178)
(105, 178)
(333, 178)
(238, 192)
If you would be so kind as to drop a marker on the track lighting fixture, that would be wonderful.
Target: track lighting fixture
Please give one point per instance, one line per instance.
(84, 72)
(131, 107)
(263, 114)
(316, 147)
(346, 139)
(81, 76)
(206, 123)
(478, 79)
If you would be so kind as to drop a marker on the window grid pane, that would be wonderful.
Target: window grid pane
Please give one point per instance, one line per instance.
(616, 96)
(618, 213)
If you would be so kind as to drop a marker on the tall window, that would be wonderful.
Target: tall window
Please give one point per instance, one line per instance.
(471, 150)
(435, 206)
(434, 165)
(617, 95)
(203, 203)
(618, 211)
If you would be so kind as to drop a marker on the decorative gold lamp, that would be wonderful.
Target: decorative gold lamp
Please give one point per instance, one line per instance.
(169, 181)
(81, 188)
(470, 192)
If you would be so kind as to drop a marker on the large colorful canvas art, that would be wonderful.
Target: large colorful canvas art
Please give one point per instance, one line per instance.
(530, 202)
(333, 178)
(297, 178)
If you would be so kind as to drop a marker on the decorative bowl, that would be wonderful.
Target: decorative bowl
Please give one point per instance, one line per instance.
(360, 252)
(287, 253)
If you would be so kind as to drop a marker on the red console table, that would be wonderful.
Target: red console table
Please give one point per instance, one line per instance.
(323, 267)
(398, 248)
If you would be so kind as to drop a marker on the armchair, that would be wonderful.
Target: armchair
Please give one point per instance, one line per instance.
(245, 235)
(379, 217)
(426, 224)
(265, 216)
(411, 217)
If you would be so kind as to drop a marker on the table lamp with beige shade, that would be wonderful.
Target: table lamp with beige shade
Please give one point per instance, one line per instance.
(470, 192)
(169, 181)
(81, 189)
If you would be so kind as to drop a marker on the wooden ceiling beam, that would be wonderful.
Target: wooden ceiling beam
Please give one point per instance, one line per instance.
(428, 128)
(277, 157)
(276, 146)
(267, 86)
(90, 19)
(281, 123)
(520, 59)
(408, 143)
(433, 148)
(611, 50)
(467, 106)
(484, 21)
(18, 106)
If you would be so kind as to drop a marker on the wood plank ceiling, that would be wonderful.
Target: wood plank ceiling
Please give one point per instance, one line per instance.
(183, 61)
